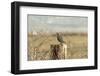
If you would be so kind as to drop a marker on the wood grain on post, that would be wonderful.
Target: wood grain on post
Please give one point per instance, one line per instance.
(58, 51)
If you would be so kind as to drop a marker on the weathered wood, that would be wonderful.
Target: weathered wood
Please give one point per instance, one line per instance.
(54, 51)
(59, 51)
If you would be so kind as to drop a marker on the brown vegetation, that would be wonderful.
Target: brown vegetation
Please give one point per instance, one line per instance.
(39, 46)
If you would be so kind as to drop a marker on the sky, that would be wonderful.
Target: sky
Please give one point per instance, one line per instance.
(50, 23)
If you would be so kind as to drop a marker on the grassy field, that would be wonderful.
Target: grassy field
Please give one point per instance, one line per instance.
(39, 46)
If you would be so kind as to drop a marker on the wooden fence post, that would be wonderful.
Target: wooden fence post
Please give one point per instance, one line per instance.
(59, 51)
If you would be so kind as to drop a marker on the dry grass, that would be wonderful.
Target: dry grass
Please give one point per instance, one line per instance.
(39, 46)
